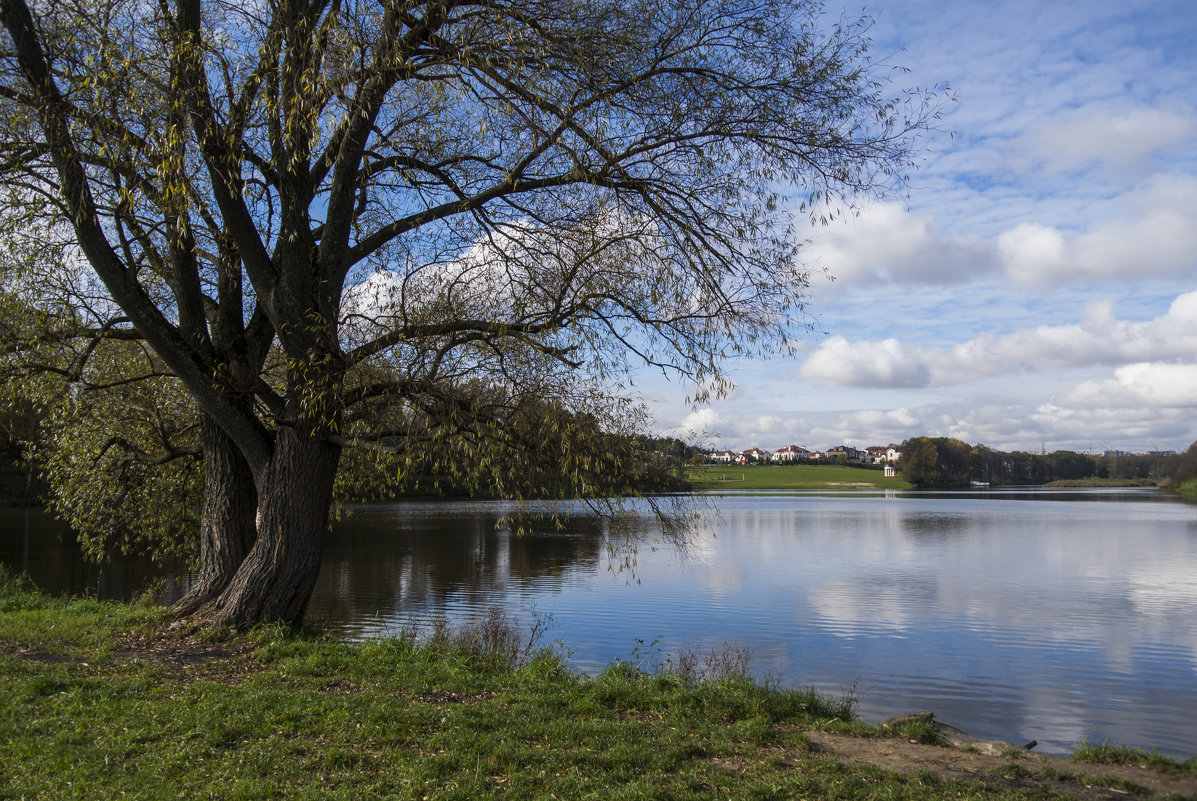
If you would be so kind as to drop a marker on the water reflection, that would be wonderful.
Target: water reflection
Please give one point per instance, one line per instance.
(1060, 617)
(934, 526)
(36, 544)
(385, 564)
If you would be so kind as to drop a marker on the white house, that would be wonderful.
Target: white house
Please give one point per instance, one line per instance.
(791, 453)
(756, 455)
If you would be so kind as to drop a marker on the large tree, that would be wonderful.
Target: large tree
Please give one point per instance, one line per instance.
(395, 222)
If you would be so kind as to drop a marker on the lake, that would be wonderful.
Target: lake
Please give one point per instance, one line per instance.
(1012, 614)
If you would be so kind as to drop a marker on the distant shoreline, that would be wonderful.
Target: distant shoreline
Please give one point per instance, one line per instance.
(1103, 482)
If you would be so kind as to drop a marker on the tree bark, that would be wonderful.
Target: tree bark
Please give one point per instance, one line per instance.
(228, 526)
(275, 580)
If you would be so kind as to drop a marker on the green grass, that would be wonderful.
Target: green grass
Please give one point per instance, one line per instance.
(1100, 780)
(1188, 490)
(99, 702)
(799, 476)
(1013, 770)
(919, 731)
(1109, 754)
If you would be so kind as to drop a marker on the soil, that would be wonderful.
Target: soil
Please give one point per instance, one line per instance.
(951, 763)
(188, 657)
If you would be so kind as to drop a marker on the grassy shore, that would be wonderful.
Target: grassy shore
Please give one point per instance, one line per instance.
(1103, 482)
(798, 476)
(102, 700)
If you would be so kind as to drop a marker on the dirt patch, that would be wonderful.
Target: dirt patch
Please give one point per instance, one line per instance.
(190, 658)
(441, 698)
(36, 654)
(1032, 770)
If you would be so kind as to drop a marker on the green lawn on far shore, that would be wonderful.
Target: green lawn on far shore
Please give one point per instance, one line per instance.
(798, 477)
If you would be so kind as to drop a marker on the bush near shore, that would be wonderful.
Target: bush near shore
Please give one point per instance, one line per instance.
(103, 700)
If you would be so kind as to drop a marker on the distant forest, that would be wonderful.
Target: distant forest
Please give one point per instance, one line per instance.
(946, 462)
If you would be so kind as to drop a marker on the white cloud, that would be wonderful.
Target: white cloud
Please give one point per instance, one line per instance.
(1066, 425)
(888, 363)
(1123, 138)
(1097, 340)
(1156, 235)
(1148, 230)
(886, 242)
(1150, 384)
(698, 426)
(866, 427)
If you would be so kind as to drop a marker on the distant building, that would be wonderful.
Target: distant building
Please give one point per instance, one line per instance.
(796, 453)
(849, 453)
(790, 453)
(755, 455)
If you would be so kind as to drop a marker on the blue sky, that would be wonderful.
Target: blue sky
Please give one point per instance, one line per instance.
(1037, 285)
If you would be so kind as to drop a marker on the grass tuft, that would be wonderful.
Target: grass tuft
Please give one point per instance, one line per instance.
(1107, 754)
(1011, 770)
(919, 731)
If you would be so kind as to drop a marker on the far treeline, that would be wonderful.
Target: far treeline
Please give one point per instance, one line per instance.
(946, 462)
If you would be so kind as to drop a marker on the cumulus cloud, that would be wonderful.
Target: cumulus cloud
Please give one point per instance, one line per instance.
(1112, 425)
(1145, 231)
(889, 243)
(699, 425)
(1156, 237)
(1149, 384)
(888, 363)
(1098, 339)
(865, 427)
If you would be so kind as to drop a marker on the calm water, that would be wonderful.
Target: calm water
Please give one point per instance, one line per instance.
(1055, 616)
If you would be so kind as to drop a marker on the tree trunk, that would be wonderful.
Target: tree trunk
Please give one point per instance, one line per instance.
(228, 525)
(276, 579)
